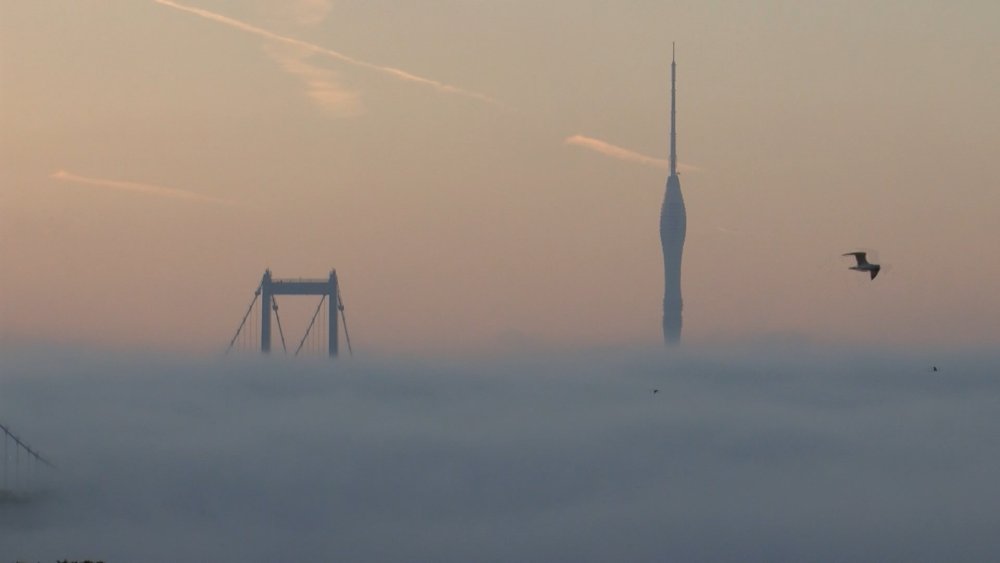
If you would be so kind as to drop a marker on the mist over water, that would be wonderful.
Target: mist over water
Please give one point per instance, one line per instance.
(764, 453)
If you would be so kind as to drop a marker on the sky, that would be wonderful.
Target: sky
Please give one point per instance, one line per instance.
(487, 174)
(758, 453)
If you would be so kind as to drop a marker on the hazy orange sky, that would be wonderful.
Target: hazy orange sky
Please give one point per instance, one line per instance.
(487, 174)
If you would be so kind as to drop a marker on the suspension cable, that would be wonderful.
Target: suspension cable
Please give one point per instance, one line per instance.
(255, 328)
(274, 305)
(343, 317)
(20, 445)
(311, 321)
(256, 294)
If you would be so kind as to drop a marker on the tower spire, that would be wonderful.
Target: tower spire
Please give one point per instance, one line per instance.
(673, 110)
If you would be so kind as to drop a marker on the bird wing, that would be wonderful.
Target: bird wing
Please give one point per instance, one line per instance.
(875, 271)
(859, 256)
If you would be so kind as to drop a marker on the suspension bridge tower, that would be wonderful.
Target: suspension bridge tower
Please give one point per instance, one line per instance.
(270, 287)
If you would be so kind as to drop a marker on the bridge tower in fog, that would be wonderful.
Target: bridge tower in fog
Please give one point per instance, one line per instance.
(673, 228)
(266, 294)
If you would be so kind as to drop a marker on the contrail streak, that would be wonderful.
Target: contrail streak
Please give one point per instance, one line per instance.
(613, 151)
(313, 48)
(620, 153)
(149, 189)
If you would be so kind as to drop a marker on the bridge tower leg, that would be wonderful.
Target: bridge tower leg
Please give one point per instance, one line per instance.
(265, 312)
(334, 312)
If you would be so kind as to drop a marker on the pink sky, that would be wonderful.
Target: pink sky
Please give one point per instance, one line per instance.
(422, 150)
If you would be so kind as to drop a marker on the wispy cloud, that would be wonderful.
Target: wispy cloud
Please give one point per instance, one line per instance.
(620, 153)
(307, 12)
(317, 49)
(148, 189)
(322, 85)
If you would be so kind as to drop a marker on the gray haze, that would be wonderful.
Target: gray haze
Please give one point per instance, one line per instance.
(773, 452)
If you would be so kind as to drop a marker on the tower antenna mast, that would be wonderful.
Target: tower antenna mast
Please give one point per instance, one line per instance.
(673, 110)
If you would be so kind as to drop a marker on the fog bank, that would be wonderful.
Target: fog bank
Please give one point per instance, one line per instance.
(765, 453)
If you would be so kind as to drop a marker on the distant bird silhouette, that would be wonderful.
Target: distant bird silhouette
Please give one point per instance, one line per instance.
(863, 264)
(655, 391)
(935, 368)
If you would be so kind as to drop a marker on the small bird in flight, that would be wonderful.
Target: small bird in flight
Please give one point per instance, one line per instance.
(863, 264)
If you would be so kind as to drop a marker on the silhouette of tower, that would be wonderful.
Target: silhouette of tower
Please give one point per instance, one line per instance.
(673, 227)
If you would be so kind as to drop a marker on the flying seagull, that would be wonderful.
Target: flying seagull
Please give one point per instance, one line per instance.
(863, 264)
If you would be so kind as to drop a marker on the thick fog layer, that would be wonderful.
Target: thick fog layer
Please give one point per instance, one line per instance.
(762, 454)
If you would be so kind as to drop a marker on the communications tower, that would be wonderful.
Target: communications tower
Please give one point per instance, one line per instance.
(673, 227)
